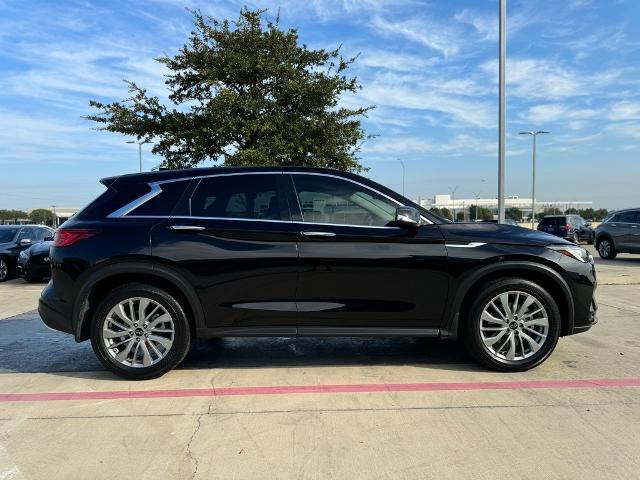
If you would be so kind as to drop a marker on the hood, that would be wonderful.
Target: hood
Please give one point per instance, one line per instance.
(6, 245)
(40, 248)
(498, 233)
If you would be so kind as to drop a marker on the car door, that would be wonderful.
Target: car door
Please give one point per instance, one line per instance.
(623, 227)
(634, 232)
(231, 236)
(356, 269)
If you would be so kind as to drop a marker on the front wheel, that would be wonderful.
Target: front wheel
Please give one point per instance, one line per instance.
(606, 250)
(512, 326)
(140, 332)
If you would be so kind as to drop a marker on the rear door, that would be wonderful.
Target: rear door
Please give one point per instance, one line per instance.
(624, 230)
(231, 236)
(357, 270)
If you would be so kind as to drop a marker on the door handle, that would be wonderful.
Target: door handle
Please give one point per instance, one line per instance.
(318, 234)
(186, 228)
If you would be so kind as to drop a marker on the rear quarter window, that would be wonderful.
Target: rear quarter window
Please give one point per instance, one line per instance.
(163, 204)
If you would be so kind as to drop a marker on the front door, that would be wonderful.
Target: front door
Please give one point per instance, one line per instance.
(356, 268)
(233, 239)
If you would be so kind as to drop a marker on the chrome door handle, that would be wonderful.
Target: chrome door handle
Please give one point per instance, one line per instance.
(181, 228)
(318, 234)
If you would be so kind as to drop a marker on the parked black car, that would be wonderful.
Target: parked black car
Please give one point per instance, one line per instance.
(619, 233)
(33, 262)
(164, 257)
(571, 227)
(14, 239)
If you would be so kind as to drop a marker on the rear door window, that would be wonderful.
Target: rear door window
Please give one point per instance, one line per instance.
(626, 217)
(254, 197)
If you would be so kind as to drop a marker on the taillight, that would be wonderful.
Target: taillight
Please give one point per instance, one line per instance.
(68, 236)
(567, 227)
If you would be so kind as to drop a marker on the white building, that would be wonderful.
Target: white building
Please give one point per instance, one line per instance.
(522, 203)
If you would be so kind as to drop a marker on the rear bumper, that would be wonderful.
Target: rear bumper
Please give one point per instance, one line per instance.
(52, 311)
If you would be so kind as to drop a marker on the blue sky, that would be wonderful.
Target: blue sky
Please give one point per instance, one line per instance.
(429, 67)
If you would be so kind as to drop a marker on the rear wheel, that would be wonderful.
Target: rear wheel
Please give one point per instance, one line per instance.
(140, 332)
(4, 270)
(513, 326)
(606, 250)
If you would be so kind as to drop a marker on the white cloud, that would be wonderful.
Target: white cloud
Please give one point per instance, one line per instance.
(401, 62)
(625, 110)
(438, 37)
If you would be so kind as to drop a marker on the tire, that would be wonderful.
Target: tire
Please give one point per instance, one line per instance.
(4, 270)
(606, 249)
(524, 355)
(171, 338)
(590, 240)
(31, 279)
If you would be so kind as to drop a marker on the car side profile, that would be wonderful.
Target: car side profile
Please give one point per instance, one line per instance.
(13, 240)
(619, 233)
(162, 258)
(570, 227)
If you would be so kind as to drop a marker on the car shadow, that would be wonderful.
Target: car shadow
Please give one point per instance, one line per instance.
(27, 346)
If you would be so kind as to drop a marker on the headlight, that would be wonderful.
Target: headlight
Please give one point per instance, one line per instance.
(573, 251)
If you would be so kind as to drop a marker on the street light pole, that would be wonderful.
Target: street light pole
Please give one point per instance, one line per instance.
(55, 218)
(139, 150)
(453, 200)
(403, 171)
(477, 197)
(502, 49)
(533, 184)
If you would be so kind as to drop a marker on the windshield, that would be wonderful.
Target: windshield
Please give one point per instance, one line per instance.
(7, 234)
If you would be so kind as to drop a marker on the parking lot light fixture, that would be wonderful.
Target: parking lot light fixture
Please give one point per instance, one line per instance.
(139, 143)
(533, 183)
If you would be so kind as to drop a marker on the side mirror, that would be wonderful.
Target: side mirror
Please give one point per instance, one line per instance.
(25, 241)
(407, 217)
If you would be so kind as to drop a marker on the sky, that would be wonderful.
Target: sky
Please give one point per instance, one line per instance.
(428, 67)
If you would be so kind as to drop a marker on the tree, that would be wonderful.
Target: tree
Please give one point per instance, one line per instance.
(13, 215)
(514, 213)
(481, 214)
(442, 212)
(246, 93)
(41, 215)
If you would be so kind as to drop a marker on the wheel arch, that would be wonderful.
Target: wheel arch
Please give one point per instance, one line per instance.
(543, 275)
(108, 277)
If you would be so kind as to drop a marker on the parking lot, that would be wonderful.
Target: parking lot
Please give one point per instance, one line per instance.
(325, 407)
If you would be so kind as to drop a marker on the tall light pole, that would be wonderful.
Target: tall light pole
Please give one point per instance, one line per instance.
(139, 150)
(403, 171)
(453, 200)
(54, 220)
(477, 197)
(502, 49)
(533, 183)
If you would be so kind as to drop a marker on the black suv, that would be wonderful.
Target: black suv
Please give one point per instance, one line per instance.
(13, 240)
(162, 258)
(571, 227)
(619, 233)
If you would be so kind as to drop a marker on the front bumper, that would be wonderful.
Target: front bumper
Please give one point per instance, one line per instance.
(592, 319)
(52, 311)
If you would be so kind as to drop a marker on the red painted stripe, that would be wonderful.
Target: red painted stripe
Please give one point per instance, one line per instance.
(353, 388)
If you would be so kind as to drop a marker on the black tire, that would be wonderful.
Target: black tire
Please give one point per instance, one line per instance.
(606, 249)
(32, 279)
(590, 240)
(471, 325)
(4, 270)
(177, 351)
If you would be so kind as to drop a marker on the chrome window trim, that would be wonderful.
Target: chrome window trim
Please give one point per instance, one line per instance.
(122, 211)
(465, 245)
(156, 189)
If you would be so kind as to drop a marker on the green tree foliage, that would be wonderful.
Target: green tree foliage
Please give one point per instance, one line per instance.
(442, 212)
(13, 215)
(514, 213)
(596, 215)
(41, 216)
(481, 214)
(246, 93)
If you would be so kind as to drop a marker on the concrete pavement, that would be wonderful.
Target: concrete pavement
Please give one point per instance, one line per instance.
(572, 430)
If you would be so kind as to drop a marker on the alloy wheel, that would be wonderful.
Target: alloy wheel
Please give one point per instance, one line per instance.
(4, 270)
(514, 326)
(604, 249)
(138, 332)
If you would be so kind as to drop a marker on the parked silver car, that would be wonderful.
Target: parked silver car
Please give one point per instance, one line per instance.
(619, 233)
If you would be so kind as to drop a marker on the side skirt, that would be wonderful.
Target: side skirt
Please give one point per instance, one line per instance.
(317, 332)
